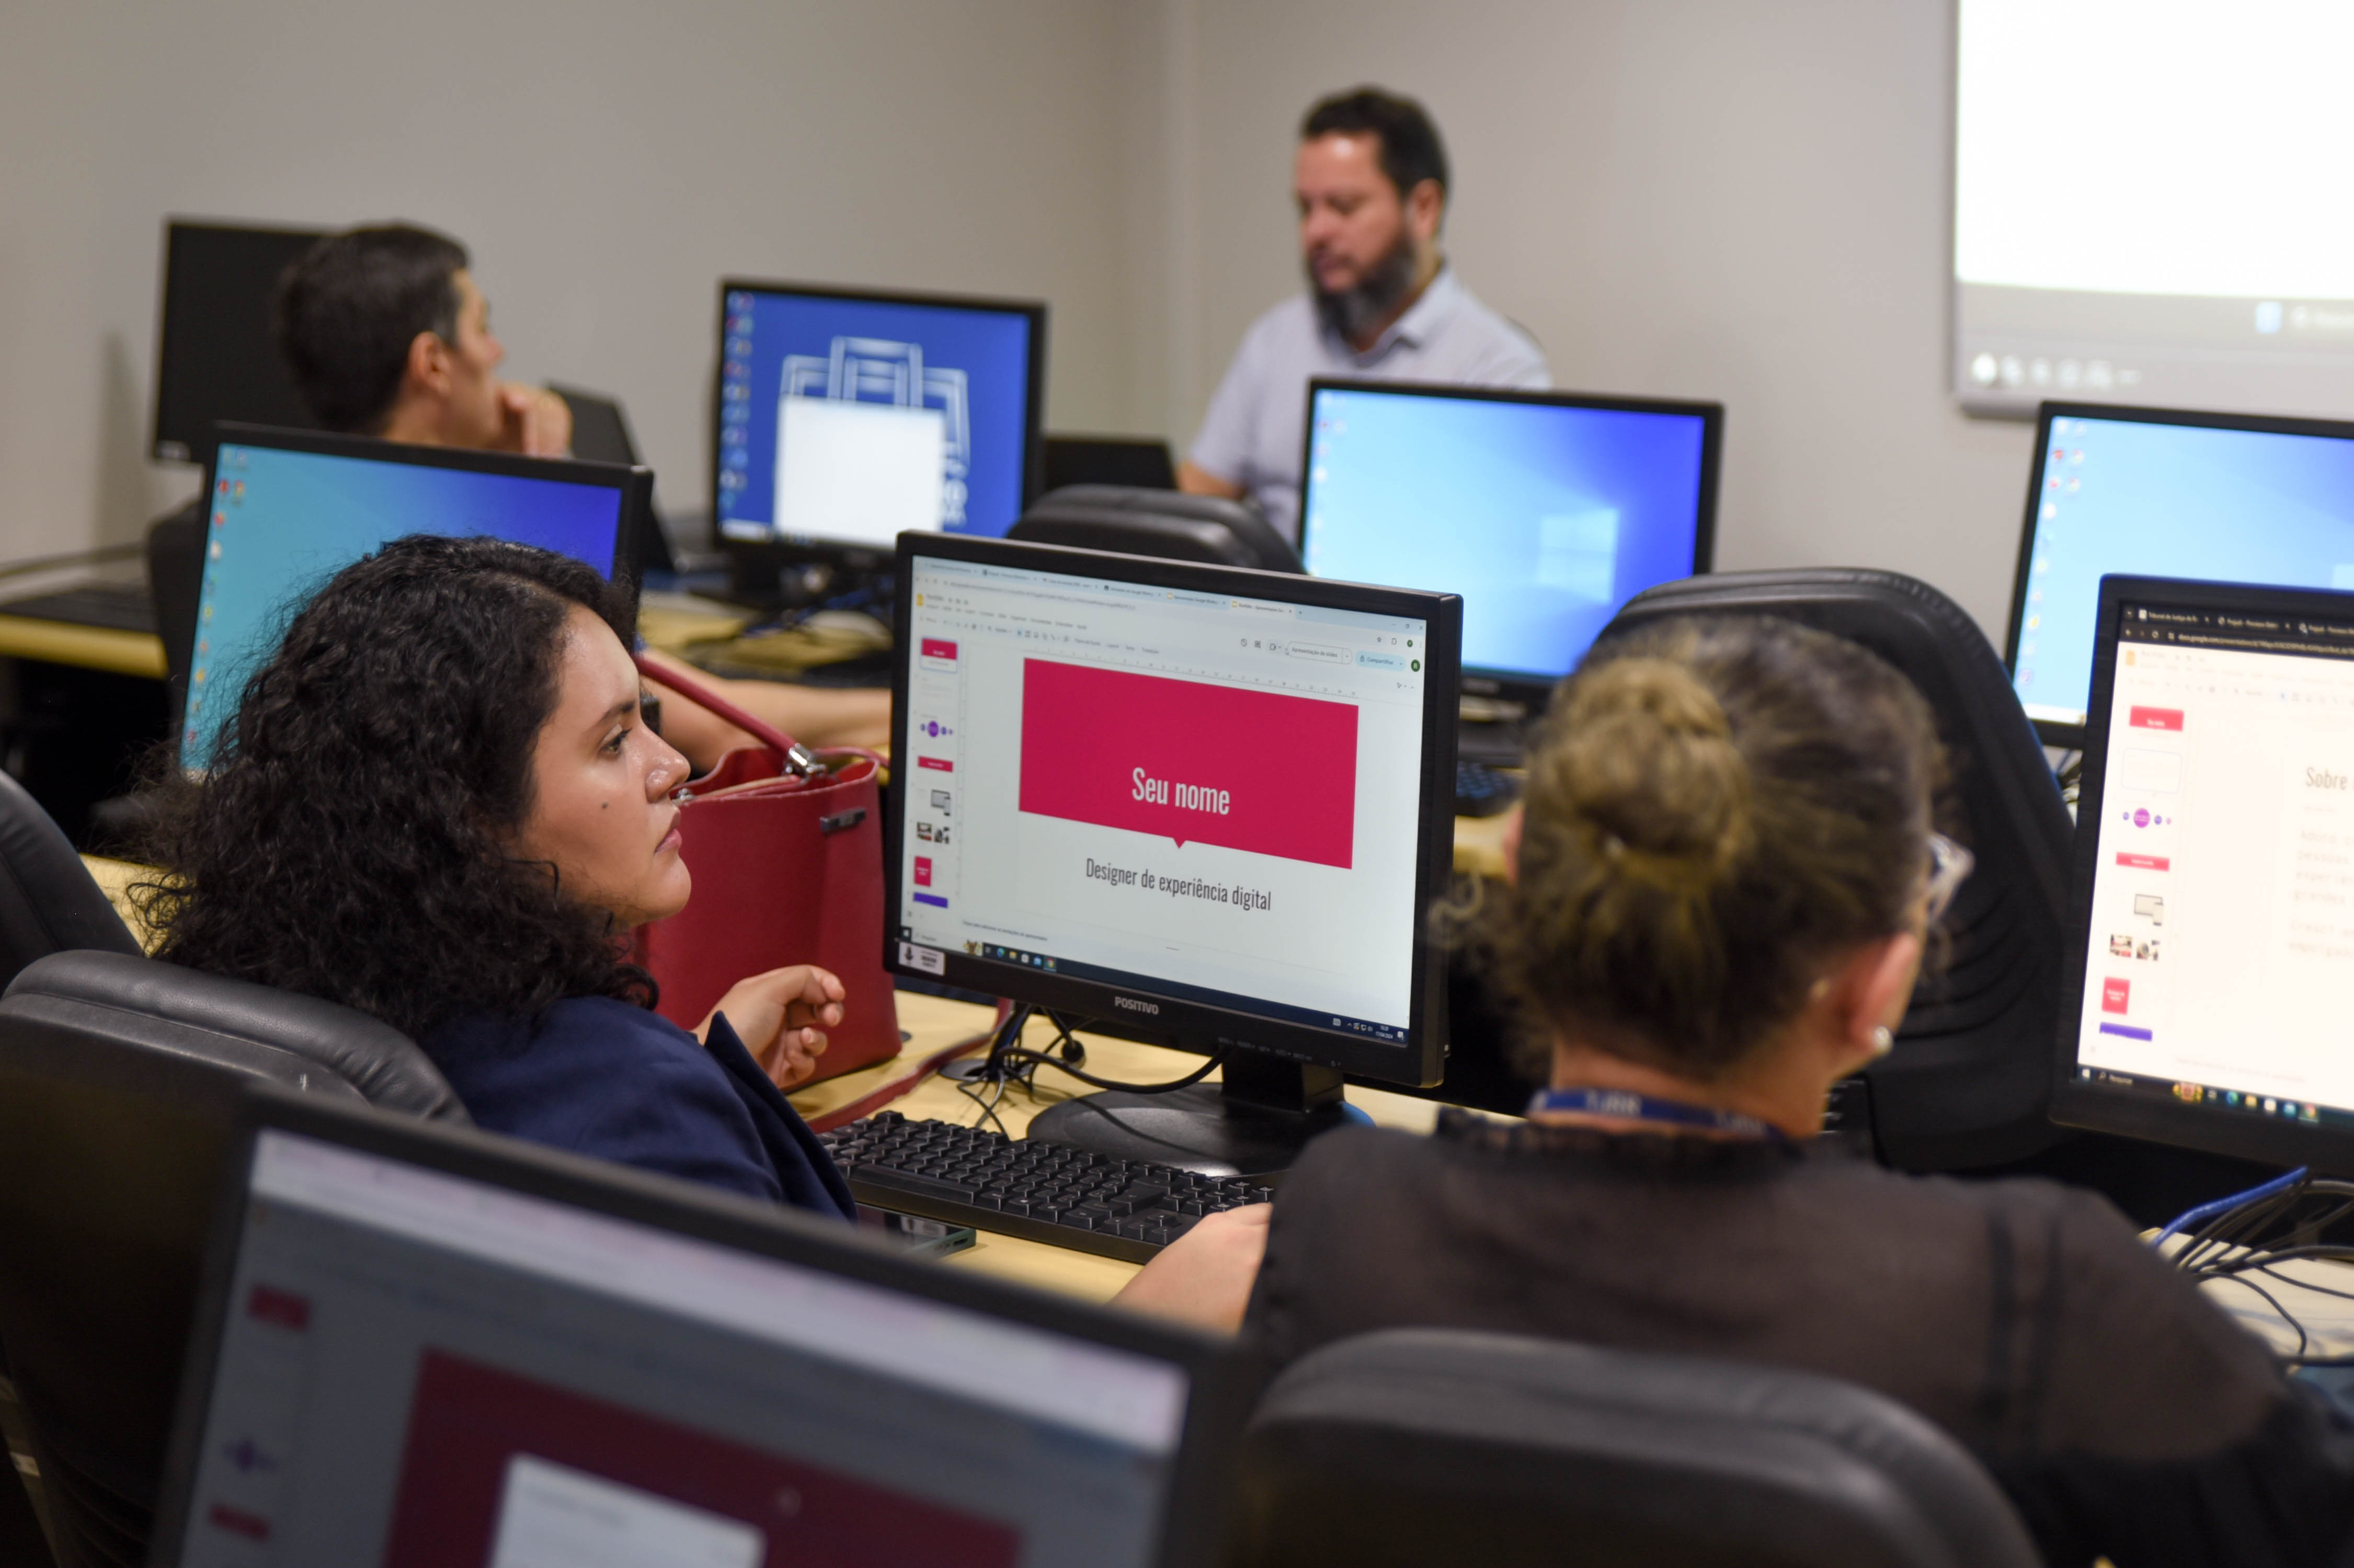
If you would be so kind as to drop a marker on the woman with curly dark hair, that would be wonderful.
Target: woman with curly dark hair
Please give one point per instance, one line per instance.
(440, 804)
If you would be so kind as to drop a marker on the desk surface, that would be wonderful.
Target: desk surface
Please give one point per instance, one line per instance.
(2305, 1286)
(89, 647)
(932, 1022)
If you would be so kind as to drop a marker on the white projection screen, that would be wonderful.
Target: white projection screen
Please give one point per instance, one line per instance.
(2151, 204)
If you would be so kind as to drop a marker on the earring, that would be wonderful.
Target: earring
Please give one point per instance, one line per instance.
(681, 795)
(1882, 1041)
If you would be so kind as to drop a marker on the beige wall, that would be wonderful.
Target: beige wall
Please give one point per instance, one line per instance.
(1711, 198)
(1701, 197)
(607, 163)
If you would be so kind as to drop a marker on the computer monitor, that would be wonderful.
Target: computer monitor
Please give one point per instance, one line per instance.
(216, 349)
(2213, 930)
(423, 1345)
(2161, 492)
(1210, 804)
(290, 509)
(1545, 511)
(846, 417)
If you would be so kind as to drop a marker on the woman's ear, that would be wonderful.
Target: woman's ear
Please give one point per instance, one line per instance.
(1885, 972)
(1512, 847)
(1865, 995)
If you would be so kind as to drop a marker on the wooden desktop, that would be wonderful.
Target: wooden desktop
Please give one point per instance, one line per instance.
(932, 1024)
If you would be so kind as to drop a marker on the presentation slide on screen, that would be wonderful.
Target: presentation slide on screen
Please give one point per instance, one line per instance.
(1546, 519)
(2130, 498)
(2224, 901)
(1211, 797)
(418, 1369)
(283, 523)
(519, 1472)
(850, 421)
(2135, 216)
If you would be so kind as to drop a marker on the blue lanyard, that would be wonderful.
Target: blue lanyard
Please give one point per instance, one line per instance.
(1624, 1104)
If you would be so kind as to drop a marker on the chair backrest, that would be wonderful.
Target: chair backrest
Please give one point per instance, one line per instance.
(601, 433)
(1418, 1446)
(1109, 460)
(1970, 1082)
(118, 1079)
(1164, 522)
(48, 901)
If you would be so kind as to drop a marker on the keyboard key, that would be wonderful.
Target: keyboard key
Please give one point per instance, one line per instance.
(910, 1181)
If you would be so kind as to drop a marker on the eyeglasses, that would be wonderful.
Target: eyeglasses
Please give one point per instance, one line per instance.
(1949, 867)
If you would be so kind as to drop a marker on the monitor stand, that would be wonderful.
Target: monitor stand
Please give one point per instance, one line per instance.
(1253, 1123)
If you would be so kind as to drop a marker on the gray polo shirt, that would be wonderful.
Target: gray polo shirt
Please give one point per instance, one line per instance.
(1252, 434)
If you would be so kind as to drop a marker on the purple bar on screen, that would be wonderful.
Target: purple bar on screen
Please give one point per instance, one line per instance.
(936, 902)
(2127, 1030)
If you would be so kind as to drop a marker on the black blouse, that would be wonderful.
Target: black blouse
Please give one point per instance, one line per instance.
(2125, 1414)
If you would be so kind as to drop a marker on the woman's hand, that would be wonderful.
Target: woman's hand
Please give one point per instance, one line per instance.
(781, 1017)
(1205, 1277)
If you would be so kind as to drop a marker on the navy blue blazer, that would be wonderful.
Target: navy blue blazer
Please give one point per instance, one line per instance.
(602, 1077)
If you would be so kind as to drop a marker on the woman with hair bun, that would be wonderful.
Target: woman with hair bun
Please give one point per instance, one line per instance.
(1724, 874)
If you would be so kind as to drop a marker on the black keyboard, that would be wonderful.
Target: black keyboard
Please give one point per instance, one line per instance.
(1483, 791)
(1041, 1192)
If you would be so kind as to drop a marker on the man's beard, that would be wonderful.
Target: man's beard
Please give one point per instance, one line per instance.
(1352, 312)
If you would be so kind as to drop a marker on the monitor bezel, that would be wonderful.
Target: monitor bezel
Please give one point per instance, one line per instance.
(1181, 1021)
(777, 551)
(159, 449)
(1224, 1378)
(2091, 1104)
(1533, 686)
(2055, 732)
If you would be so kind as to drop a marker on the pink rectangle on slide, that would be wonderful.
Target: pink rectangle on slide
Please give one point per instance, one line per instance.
(938, 648)
(1286, 766)
(2116, 994)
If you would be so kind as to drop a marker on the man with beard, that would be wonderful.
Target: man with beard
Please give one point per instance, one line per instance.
(1371, 183)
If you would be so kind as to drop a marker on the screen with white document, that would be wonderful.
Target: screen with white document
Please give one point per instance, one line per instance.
(2219, 804)
(418, 1368)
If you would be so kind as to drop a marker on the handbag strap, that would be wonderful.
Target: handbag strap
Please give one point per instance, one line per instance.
(797, 756)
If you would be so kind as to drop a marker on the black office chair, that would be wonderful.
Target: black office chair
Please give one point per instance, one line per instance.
(1421, 1446)
(1163, 523)
(118, 1077)
(48, 903)
(601, 433)
(1109, 460)
(1970, 1082)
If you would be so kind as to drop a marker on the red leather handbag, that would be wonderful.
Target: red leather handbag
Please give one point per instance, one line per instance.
(786, 849)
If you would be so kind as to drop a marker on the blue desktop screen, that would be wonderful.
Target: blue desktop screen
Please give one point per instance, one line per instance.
(283, 523)
(2148, 499)
(1546, 518)
(918, 416)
